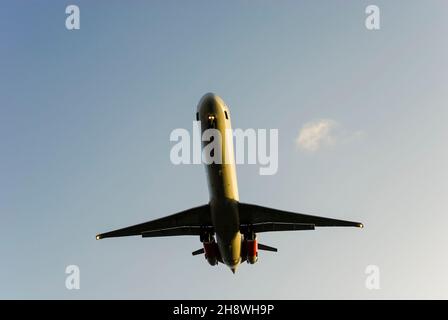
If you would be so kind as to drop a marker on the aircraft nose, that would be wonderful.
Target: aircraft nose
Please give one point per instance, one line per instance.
(210, 103)
(209, 96)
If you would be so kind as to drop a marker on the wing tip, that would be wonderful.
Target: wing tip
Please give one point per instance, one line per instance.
(98, 237)
(360, 225)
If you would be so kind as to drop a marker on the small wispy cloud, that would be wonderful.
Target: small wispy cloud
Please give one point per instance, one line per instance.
(322, 133)
(316, 134)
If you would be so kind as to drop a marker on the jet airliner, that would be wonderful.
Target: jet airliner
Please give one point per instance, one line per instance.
(226, 227)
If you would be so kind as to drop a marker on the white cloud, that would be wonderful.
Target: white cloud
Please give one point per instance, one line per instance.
(318, 134)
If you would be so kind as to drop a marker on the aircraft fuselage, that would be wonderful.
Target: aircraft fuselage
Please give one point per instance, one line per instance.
(213, 113)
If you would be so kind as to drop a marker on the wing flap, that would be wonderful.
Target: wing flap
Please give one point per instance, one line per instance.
(276, 226)
(178, 231)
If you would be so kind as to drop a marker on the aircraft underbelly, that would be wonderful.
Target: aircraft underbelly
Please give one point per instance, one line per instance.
(224, 210)
(226, 222)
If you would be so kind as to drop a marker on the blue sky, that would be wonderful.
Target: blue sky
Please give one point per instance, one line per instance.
(85, 119)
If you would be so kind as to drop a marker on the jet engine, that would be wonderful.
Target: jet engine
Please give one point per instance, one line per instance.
(250, 247)
(211, 252)
(252, 251)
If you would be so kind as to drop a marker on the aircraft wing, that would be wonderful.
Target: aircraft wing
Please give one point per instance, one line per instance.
(188, 222)
(264, 219)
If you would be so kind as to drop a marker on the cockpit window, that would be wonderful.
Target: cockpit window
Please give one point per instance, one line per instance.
(197, 116)
(225, 113)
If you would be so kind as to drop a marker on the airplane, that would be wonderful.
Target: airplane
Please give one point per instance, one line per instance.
(235, 224)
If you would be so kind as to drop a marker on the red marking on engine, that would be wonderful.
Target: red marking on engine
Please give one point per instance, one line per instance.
(252, 248)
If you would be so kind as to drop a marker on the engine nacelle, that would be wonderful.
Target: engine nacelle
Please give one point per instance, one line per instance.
(252, 251)
(211, 252)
